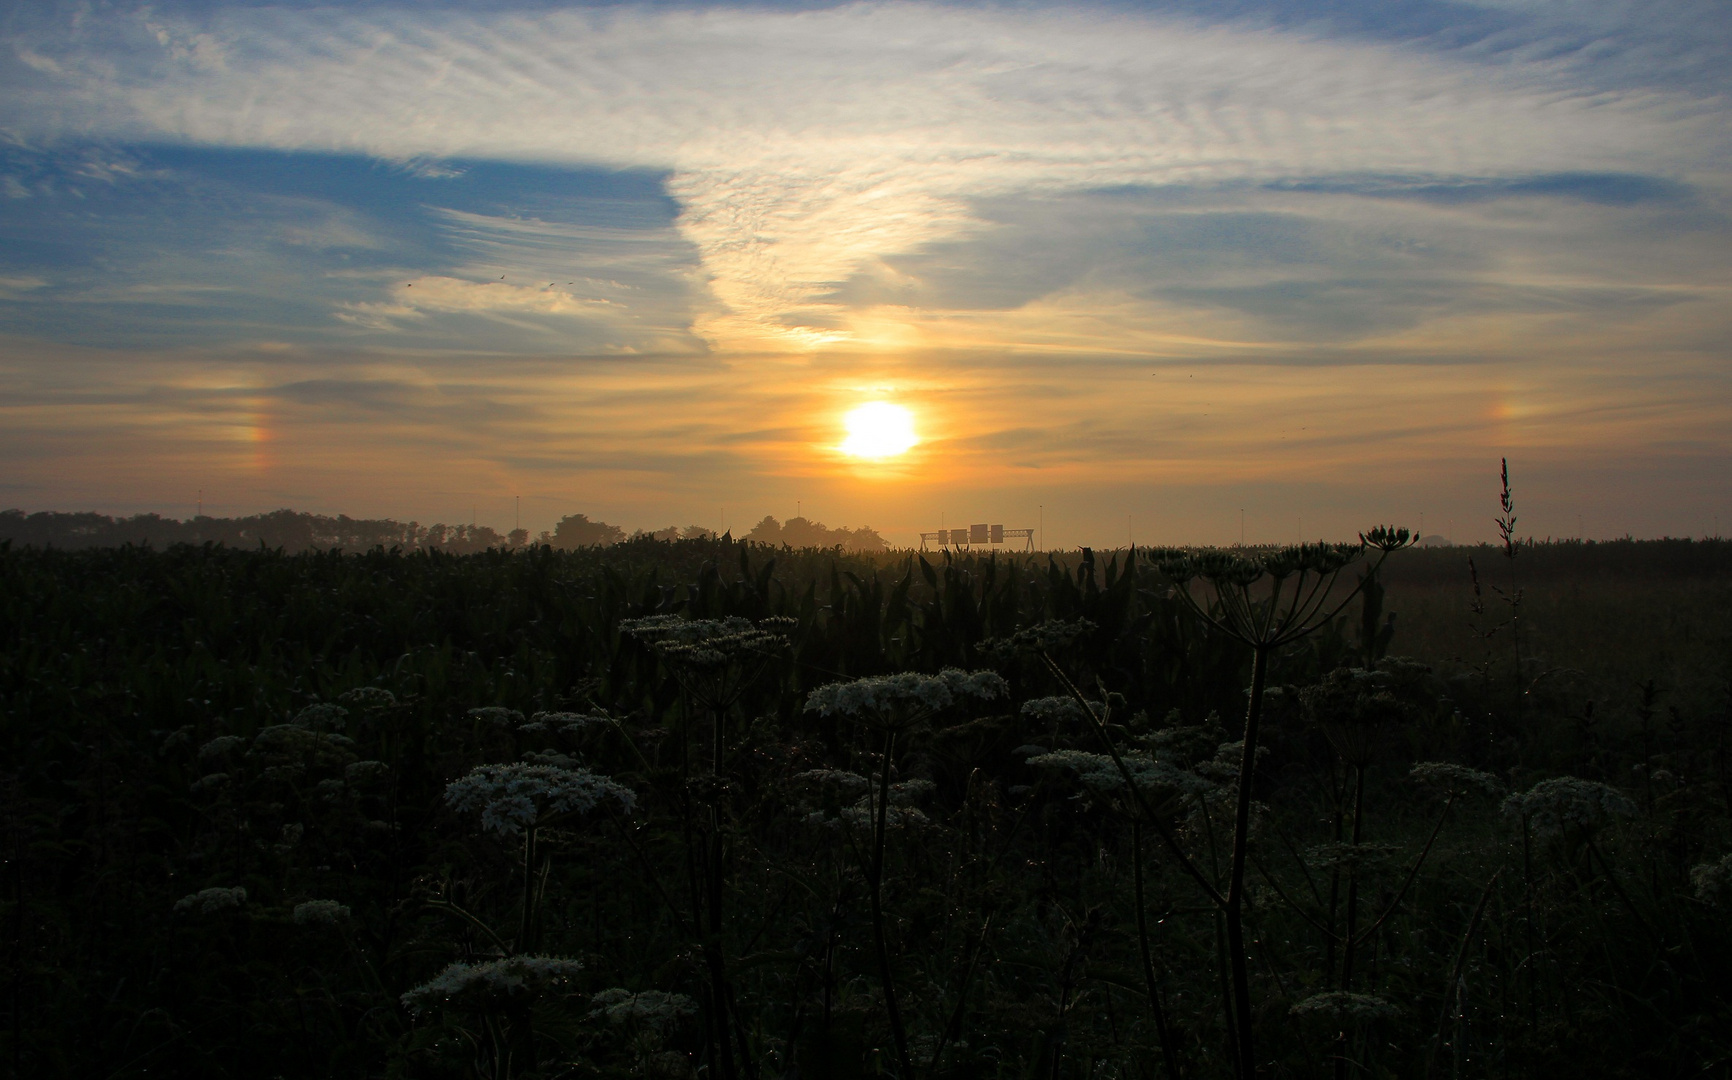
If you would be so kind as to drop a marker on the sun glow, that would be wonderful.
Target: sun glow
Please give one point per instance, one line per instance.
(878, 430)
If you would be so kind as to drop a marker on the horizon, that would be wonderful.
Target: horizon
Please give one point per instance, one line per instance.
(1198, 271)
(632, 533)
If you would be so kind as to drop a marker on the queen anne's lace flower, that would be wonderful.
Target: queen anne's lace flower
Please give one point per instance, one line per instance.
(220, 746)
(1099, 774)
(1340, 856)
(1051, 710)
(497, 716)
(709, 643)
(321, 913)
(862, 816)
(210, 782)
(322, 716)
(512, 978)
(515, 796)
(1347, 1008)
(211, 901)
(290, 744)
(1457, 779)
(567, 722)
(368, 697)
(1568, 803)
(838, 782)
(907, 696)
(649, 1008)
(361, 773)
(1713, 881)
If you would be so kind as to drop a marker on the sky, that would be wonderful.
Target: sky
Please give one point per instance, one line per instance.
(1166, 273)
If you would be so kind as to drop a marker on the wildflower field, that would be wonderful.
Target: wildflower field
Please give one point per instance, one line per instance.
(711, 809)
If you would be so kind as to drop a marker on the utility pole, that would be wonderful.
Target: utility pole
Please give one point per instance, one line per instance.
(1241, 526)
(1041, 526)
(517, 517)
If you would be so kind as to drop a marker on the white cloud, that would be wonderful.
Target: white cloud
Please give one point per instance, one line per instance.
(804, 147)
(449, 294)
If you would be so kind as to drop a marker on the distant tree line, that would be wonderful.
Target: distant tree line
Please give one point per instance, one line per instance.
(296, 531)
(287, 529)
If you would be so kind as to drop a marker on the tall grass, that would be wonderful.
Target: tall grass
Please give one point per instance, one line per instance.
(978, 890)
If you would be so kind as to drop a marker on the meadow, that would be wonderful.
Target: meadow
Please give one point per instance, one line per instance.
(716, 809)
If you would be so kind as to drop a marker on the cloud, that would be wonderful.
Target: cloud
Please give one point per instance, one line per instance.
(806, 146)
(483, 297)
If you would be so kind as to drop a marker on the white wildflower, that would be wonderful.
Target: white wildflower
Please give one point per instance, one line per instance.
(513, 797)
(843, 784)
(497, 716)
(907, 696)
(1455, 779)
(1713, 881)
(1568, 803)
(211, 901)
(368, 697)
(710, 643)
(649, 1008)
(285, 743)
(1100, 774)
(862, 816)
(321, 913)
(512, 978)
(220, 746)
(322, 716)
(1343, 1007)
(1342, 856)
(910, 791)
(362, 773)
(568, 723)
(210, 782)
(549, 757)
(1053, 710)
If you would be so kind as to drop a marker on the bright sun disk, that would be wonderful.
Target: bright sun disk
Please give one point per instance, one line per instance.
(878, 430)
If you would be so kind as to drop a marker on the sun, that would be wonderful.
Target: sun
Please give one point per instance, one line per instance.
(878, 430)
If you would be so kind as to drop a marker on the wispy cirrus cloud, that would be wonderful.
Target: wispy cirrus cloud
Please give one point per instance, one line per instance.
(804, 147)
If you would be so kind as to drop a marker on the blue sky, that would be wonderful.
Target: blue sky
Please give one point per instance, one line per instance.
(1140, 264)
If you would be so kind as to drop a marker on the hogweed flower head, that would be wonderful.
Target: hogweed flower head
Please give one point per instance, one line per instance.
(1341, 1006)
(903, 699)
(655, 1009)
(710, 643)
(492, 982)
(1452, 779)
(368, 697)
(497, 716)
(1713, 881)
(1099, 774)
(1568, 804)
(211, 901)
(567, 723)
(321, 913)
(1052, 710)
(322, 716)
(221, 746)
(516, 796)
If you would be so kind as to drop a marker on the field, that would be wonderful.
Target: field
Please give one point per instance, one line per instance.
(606, 812)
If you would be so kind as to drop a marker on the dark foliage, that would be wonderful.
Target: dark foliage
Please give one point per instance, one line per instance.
(201, 718)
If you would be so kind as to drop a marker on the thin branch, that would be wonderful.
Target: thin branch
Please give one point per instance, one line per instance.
(1365, 935)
